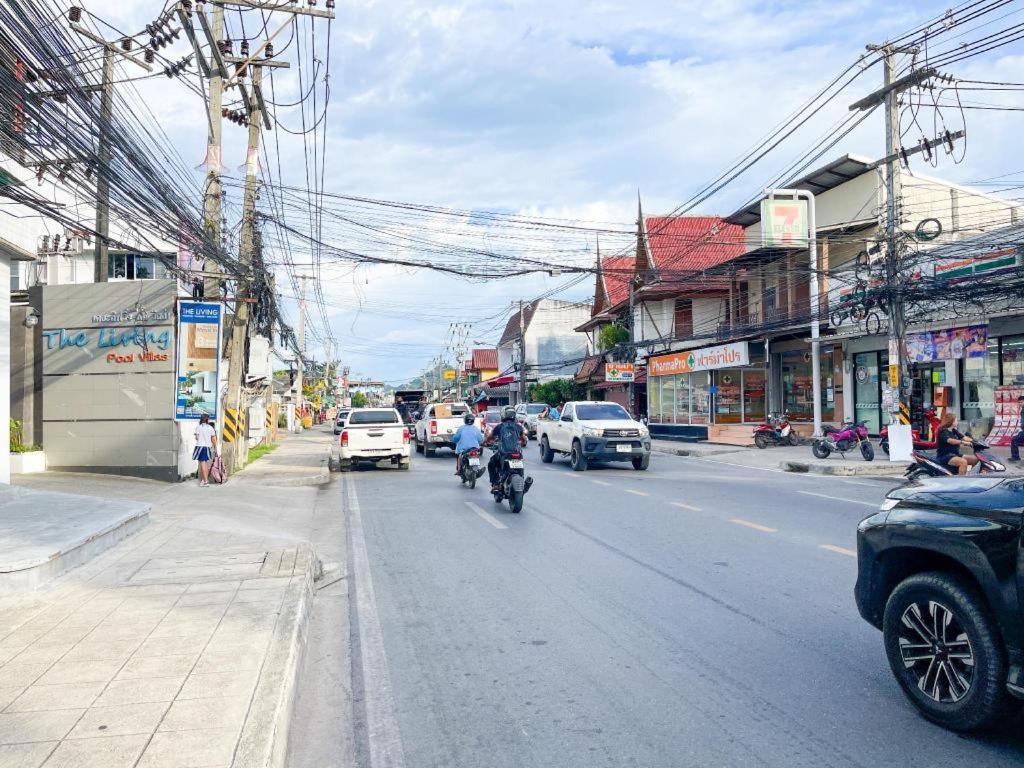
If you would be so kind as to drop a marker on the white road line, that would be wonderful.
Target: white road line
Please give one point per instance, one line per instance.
(486, 515)
(685, 506)
(755, 526)
(858, 482)
(636, 493)
(383, 735)
(600, 482)
(840, 498)
(838, 550)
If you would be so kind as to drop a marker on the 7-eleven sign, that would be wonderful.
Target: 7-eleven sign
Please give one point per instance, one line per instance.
(783, 223)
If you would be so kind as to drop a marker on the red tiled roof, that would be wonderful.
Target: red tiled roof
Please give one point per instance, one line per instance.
(681, 246)
(484, 360)
(617, 271)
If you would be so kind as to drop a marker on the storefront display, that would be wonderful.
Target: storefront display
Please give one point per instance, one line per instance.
(732, 395)
(798, 385)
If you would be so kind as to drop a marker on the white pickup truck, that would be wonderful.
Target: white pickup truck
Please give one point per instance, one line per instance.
(595, 431)
(438, 424)
(372, 434)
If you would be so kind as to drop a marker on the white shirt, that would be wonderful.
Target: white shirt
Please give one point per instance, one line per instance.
(204, 435)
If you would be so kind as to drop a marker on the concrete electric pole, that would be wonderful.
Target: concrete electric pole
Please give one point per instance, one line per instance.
(522, 354)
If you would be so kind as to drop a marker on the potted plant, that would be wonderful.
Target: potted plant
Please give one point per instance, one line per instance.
(24, 458)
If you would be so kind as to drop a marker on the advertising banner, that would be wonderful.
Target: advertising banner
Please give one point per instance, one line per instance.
(947, 344)
(619, 372)
(199, 334)
(706, 359)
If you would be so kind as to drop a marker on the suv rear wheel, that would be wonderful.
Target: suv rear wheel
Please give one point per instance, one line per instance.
(945, 651)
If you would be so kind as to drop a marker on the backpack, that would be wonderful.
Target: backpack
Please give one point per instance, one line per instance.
(508, 437)
(217, 473)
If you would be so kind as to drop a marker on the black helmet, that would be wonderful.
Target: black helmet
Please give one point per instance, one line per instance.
(508, 413)
(468, 418)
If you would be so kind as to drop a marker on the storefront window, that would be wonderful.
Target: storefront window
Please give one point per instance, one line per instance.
(700, 398)
(798, 386)
(867, 404)
(668, 399)
(654, 400)
(753, 395)
(980, 377)
(682, 398)
(729, 396)
(1013, 360)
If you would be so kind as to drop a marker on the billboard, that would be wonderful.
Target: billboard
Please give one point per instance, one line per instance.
(198, 360)
(619, 372)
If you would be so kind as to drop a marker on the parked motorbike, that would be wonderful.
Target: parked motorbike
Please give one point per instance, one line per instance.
(844, 439)
(471, 469)
(925, 464)
(776, 431)
(513, 483)
(920, 443)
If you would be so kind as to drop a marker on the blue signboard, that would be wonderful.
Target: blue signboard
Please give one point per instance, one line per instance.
(199, 335)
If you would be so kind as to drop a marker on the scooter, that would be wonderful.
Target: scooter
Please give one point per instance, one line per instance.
(842, 440)
(513, 484)
(919, 442)
(925, 464)
(471, 471)
(777, 431)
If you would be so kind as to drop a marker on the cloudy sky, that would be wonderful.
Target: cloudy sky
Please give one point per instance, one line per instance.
(567, 109)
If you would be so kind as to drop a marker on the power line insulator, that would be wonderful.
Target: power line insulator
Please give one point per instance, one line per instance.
(330, 5)
(150, 56)
(75, 13)
(126, 44)
(244, 48)
(268, 52)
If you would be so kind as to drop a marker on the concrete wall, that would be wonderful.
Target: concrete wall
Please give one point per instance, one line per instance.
(655, 319)
(551, 339)
(5, 367)
(708, 314)
(26, 375)
(110, 408)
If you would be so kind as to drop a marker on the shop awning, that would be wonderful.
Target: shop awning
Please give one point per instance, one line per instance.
(498, 381)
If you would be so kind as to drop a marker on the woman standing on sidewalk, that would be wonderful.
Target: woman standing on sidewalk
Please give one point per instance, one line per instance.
(206, 445)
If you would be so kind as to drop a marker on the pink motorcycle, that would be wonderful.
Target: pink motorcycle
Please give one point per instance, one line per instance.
(842, 440)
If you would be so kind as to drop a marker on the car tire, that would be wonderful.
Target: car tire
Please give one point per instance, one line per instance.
(761, 440)
(419, 447)
(405, 464)
(577, 460)
(641, 463)
(344, 466)
(429, 451)
(333, 465)
(970, 694)
(546, 454)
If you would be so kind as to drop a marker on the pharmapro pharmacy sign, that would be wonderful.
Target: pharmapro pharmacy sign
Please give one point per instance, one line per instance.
(706, 359)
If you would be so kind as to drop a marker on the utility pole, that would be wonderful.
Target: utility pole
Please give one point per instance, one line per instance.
(632, 341)
(236, 452)
(301, 335)
(103, 145)
(214, 191)
(522, 354)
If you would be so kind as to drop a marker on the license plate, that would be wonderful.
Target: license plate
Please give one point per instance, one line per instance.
(474, 462)
(624, 448)
(515, 463)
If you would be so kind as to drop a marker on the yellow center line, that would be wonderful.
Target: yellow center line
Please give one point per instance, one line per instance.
(755, 526)
(636, 493)
(685, 506)
(838, 550)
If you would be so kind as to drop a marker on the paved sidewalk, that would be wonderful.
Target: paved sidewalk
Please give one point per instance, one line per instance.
(299, 459)
(180, 646)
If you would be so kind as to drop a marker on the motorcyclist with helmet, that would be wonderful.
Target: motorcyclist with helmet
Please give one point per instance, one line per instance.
(466, 438)
(510, 437)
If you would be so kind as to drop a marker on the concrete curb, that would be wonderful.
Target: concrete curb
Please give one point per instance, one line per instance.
(868, 469)
(264, 739)
(699, 452)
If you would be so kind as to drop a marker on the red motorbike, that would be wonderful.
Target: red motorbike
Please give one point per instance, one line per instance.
(777, 431)
(920, 443)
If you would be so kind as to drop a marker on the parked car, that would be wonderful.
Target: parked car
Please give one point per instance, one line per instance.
(527, 415)
(939, 573)
(595, 431)
(339, 420)
(437, 424)
(372, 434)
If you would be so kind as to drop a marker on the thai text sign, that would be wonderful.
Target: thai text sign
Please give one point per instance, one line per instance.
(619, 372)
(198, 363)
(784, 223)
(706, 359)
(947, 344)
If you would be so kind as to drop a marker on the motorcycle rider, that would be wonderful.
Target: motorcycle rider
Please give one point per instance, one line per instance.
(466, 438)
(510, 437)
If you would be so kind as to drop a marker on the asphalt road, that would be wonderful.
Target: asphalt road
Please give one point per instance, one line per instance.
(697, 614)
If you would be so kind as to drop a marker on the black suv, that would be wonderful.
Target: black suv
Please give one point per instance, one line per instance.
(941, 573)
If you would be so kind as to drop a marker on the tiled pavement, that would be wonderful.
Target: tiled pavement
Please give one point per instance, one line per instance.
(159, 653)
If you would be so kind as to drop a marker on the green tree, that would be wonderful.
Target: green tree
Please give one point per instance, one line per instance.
(555, 391)
(360, 400)
(611, 336)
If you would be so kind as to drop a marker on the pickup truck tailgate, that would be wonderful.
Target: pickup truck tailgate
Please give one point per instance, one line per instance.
(376, 438)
